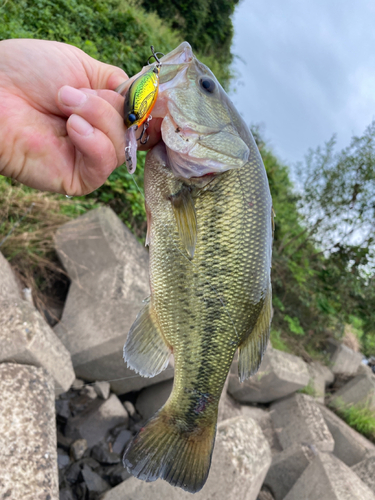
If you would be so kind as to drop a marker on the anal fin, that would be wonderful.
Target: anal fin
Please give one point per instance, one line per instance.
(146, 350)
(250, 353)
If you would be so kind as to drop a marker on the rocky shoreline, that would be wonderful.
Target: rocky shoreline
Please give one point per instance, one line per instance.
(69, 405)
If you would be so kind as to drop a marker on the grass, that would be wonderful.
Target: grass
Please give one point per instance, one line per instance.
(308, 389)
(360, 417)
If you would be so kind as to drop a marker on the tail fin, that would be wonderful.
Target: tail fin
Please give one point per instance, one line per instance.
(162, 450)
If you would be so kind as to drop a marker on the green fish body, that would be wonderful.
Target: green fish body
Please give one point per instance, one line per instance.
(210, 243)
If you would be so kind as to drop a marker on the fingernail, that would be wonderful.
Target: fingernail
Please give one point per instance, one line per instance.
(80, 125)
(72, 97)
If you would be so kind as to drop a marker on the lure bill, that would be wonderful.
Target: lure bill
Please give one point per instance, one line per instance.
(139, 101)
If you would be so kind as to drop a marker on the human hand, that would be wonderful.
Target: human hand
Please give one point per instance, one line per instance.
(53, 136)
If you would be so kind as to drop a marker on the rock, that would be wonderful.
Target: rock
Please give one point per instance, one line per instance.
(63, 459)
(90, 392)
(299, 420)
(129, 407)
(240, 462)
(78, 384)
(94, 483)
(78, 448)
(358, 391)
(63, 442)
(121, 441)
(350, 446)
(286, 468)
(26, 338)
(279, 375)
(62, 407)
(102, 389)
(116, 474)
(151, 399)
(109, 273)
(228, 407)
(263, 418)
(343, 360)
(365, 470)
(9, 289)
(28, 458)
(101, 453)
(96, 420)
(66, 494)
(327, 478)
(265, 494)
(320, 377)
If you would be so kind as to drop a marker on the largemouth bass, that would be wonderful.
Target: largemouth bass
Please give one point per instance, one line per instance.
(209, 214)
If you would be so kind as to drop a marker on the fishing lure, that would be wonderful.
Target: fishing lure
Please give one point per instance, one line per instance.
(139, 101)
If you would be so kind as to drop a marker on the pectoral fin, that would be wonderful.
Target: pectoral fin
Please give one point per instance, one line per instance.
(146, 351)
(184, 211)
(250, 353)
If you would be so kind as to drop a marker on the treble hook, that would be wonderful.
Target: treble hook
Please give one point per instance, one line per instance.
(143, 140)
(155, 56)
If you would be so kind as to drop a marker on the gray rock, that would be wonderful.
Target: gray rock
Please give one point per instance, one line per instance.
(365, 470)
(350, 446)
(62, 407)
(94, 483)
(96, 420)
(66, 494)
(151, 399)
(28, 458)
(327, 478)
(116, 474)
(286, 468)
(265, 494)
(358, 391)
(240, 462)
(9, 289)
(63, 442)
(102, 389)
(63, 459)
(299, 420)
(129, 407)
(121, 441)
(264, 420)
(109, 273)
(101, 453)
(90, 392)
(279, 375)
(78, 448)
(78, 384)
(228, 407)
(26, 338)
(343, 359)
(320, 377)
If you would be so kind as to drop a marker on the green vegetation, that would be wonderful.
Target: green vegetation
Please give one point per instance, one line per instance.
(206, 24)
(323, 254)
(360, 417)
(114, 31)
(308, 389)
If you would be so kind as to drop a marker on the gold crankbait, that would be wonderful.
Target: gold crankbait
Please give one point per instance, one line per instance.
(139, 101)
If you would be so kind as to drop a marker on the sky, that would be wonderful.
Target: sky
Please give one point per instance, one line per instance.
(305, 69)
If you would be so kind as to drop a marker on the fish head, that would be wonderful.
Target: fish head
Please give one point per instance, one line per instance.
(201, 129)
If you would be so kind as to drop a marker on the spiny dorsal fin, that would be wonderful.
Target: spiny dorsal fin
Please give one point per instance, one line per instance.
(250, 353)
(184, 211)
(145, 350)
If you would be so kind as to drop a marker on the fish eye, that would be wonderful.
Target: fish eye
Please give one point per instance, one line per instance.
(207, 84)
(132, 117)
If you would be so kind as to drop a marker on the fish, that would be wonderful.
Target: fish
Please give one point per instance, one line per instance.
(209, 231)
